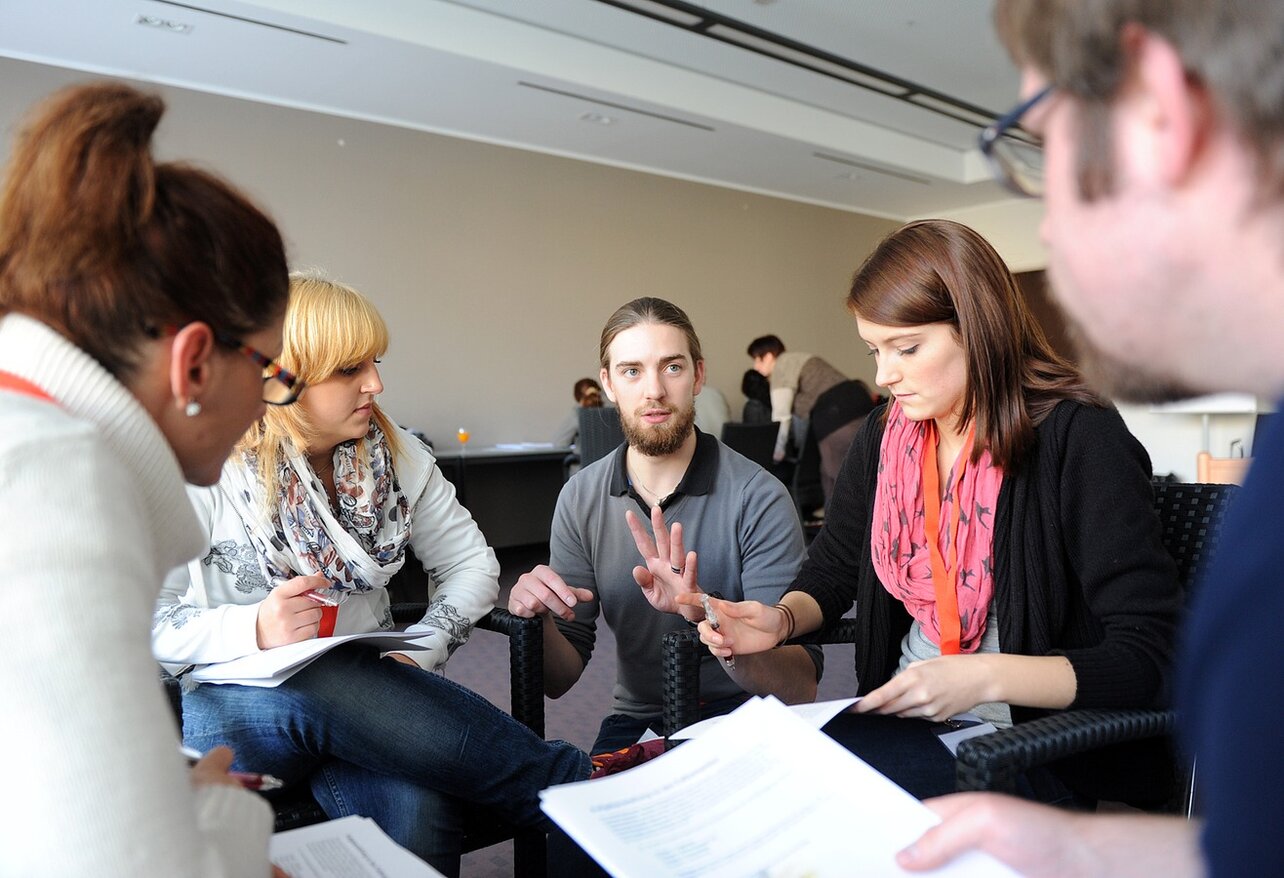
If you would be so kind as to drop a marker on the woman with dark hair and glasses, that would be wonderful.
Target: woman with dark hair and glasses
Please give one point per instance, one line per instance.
(130, 292)
(993, 524)
(321, 501)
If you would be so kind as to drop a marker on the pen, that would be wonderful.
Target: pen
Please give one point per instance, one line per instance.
(712, 618)
(317, 598)
(248, 779)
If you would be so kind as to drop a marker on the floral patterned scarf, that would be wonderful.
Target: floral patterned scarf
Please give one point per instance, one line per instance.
(899, 540)
(357, 548)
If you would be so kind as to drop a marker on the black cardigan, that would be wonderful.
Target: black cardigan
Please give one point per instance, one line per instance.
(1080, 570)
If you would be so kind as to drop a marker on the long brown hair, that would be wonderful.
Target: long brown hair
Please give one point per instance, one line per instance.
(937, 271)
(105, 245)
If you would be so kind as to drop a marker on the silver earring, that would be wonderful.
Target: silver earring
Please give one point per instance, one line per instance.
(192, 409)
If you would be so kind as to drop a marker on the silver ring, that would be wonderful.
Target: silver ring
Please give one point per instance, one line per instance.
(675, 569)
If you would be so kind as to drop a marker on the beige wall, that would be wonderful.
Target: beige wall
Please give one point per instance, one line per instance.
(496, 268)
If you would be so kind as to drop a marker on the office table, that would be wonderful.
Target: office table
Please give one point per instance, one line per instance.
(511, 491)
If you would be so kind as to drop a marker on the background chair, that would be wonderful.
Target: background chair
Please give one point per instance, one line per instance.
(1190, 515)
(755, 441)
(295, 806)
(600, 433)
(1221, 470)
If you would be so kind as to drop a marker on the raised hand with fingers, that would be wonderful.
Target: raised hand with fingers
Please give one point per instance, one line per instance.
(670, 571)
(542, 592)
(286, 615)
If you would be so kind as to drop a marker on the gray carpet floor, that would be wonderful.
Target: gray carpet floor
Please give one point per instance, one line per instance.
(482, 665)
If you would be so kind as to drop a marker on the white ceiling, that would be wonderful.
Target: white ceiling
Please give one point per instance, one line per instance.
(525, 72)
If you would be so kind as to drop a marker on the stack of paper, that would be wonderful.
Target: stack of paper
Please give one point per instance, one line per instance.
(761, 793)
(350, 847)
(271, 667)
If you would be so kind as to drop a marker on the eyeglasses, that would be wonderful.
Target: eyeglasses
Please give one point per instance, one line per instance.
(1016, 164)
(280, 386)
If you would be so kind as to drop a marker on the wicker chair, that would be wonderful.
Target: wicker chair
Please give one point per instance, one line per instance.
(295, 806)
(1190, 514)
(755, 441)
(600, 433)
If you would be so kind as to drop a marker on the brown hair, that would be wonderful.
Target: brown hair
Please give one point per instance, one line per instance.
(937, 271)
(1231, 47)
(642, 311)
(765, 344)
(107, 246)
(588, 393)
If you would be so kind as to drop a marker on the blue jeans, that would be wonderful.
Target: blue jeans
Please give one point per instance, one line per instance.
(402, 746)
(620, 730)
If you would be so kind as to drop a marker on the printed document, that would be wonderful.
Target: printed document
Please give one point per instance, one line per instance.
(271, 667)
(350, 847)
(760, 795)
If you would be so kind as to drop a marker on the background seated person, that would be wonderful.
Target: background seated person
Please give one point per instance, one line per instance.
(624, 524)
(327, 495)
(588, 395)
(993, 524)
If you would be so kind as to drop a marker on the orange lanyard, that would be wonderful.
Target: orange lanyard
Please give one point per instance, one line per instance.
(10, 381)
(944, 579)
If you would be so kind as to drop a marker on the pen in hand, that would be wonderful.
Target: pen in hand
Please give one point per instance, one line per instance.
(712, 618)
(248, 779)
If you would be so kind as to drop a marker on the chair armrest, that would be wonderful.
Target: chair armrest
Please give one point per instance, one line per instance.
(525, 658)
(682, 653)
(994, 761)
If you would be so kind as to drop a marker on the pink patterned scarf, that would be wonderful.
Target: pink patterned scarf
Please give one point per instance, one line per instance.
(899, 543)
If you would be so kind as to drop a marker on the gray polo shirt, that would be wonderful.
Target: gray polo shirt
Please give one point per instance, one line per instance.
(736, 516)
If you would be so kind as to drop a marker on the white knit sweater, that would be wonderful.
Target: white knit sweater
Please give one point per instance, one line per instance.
(93, 514)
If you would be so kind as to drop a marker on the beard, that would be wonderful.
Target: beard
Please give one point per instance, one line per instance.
(1119, 380)
(660, 440)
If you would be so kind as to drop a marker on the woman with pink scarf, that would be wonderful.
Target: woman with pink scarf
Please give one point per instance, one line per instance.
(992, 528)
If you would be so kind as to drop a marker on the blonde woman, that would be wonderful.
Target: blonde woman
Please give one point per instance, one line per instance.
(327, 496)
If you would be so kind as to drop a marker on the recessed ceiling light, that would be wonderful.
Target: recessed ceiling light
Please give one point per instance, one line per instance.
(597, 119)
(175, 27)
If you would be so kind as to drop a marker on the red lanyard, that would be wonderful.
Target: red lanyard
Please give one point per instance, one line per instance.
(944, 579)
(10, 381)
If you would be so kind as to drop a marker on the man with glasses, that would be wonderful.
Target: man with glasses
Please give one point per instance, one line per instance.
(1162, 122)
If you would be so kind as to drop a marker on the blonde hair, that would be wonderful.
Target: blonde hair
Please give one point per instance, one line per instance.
(328, 326)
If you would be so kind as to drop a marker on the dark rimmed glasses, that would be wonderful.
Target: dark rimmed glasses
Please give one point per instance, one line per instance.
(280, 385)
(1016, 163)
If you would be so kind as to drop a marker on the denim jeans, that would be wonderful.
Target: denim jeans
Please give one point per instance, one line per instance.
(620, 730)
(389, 741)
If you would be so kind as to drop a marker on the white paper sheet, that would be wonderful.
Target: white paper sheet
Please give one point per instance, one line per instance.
(350, 847)
(815, 714)
(760, 794)
(271, 667)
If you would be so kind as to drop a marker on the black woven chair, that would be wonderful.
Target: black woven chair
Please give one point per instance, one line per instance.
(600, 433)
(295, 807)
(755, 441)
(1190, 514)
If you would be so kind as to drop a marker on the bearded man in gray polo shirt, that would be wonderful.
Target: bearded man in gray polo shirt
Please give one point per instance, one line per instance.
(672, 511)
